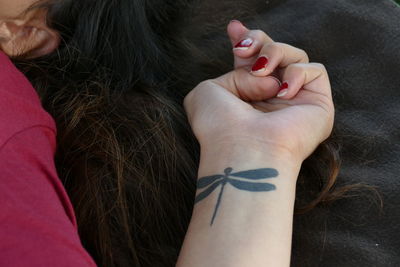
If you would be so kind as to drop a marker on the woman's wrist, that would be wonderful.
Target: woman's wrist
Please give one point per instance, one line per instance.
(245, 154)
(243, 206)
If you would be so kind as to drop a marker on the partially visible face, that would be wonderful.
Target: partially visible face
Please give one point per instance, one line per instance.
(25, 33)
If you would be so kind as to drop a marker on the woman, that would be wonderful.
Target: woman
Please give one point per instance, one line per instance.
(115, 86)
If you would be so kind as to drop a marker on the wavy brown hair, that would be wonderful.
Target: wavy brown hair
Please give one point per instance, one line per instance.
(126, 153)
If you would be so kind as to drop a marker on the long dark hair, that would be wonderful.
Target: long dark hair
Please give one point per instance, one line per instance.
(126, 153)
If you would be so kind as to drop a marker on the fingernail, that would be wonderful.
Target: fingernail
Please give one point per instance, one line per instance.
(260, 64)
(283, 90)
(244, 44)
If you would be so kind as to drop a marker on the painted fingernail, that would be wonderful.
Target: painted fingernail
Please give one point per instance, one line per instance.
(260, 64)
(244, 44)
(283, 90)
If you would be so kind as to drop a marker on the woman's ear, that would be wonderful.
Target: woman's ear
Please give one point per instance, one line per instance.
(28, 36)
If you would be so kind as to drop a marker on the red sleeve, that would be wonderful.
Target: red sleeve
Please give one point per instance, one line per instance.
(37, 221)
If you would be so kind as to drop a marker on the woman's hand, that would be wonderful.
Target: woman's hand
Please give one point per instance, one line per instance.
(246, 122)
(250, 106)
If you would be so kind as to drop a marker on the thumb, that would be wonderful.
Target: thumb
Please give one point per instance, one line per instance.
(236, 30)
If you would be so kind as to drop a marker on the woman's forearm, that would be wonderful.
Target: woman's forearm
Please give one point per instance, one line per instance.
(246, 220)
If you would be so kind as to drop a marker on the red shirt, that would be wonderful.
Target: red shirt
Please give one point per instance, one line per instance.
(37, 221)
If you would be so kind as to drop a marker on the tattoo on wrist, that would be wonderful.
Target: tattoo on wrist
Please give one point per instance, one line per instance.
(212, 182)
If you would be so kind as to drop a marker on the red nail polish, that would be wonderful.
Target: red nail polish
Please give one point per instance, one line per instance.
(284, 85)
(245, 43)
(260, 64)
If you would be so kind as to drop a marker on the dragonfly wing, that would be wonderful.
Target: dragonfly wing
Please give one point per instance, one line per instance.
(250, 186)
(257, 173)
(206, 192)
(206, 181)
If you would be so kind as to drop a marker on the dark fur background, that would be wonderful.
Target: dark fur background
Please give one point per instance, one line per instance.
(359, 43)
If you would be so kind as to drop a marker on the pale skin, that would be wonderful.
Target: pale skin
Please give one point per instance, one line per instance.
(241, 125)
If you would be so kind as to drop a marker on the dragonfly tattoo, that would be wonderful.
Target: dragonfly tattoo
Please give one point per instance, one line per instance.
(213, 181)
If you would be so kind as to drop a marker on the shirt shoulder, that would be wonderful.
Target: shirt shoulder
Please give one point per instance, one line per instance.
(20, 106)
(37, 221)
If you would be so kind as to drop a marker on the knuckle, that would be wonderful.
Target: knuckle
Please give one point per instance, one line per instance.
(297, 67)
(273, 49)
(302, 51)
(304, 54)
(322, 69)
(319, 66)
(274, 46)
(259, 34)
